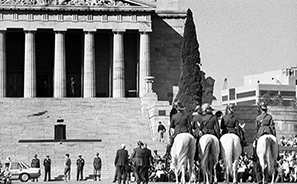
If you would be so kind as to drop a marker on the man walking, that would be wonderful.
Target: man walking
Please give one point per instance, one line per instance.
(147, 161)
(161, 131)
(67, 167)
(35, 164)
(97, 167)
(137, 157)
(80, 167)
(47, 168)
(121, 160)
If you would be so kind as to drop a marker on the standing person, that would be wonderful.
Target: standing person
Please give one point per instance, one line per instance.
(230, 124)
(181, 123)
(137, 157)
(35, 164)
(47, 168)
(97, 167)
(121, 161)
(147, 161)
(80, 167)
(67, 168)
(210, 123)
(161, 131)
(73, 84)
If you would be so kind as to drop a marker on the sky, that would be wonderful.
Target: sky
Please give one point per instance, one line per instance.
(243, 37)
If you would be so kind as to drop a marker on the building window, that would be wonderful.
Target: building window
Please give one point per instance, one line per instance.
(225, 98)
(232, 94)
(258, 81)
(246, 94)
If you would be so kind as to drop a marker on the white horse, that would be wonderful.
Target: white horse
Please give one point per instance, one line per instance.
(209, 154)
(231, 150)
(267, 152)
(182, 154)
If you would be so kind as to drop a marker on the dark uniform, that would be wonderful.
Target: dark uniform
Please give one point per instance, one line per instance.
(47, 168)
(180, 122)
(195, 124)
(80, 167)
(147, 160)
(137, 157)
(210, 125)
(265, 125)
(35, 164)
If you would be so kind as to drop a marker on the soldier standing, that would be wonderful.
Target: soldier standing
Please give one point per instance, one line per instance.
(47, 168)
(80, 167)
(97, 167)
(35, 164)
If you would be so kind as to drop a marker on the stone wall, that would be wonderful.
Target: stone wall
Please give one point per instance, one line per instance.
(166, 42)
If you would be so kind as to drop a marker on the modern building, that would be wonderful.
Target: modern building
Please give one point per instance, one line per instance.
(279, 82)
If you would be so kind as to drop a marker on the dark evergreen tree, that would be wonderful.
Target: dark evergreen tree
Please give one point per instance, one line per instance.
(190, 84)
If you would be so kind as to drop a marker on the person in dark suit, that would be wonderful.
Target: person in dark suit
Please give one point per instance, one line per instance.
(121, 160)
(67, 168)
(147, 161)
(181, 123)
(210, 123)
(80, 168)
(230, 124)
(137, 157)
(35, 164)
(47, 168)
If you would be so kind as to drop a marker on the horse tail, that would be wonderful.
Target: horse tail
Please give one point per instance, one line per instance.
(183, 155)
(229, 158)
(207, 160)
(269, 155)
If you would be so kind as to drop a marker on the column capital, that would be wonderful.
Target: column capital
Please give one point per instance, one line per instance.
(60, 30)
(145, 31)
(118, 31)
(89, 30)
(30, 31)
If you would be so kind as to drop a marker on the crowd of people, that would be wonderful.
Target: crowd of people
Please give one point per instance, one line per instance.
(291, 141)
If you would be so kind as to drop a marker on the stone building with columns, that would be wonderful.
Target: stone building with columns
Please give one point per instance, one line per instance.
(107, 47)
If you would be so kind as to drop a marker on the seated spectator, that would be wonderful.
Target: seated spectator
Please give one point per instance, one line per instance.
(283, 141)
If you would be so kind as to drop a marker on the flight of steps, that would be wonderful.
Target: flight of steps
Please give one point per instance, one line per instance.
(115, 121)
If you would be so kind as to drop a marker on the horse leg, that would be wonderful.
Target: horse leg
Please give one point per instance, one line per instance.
(176, 176)
(263, 176)
(215, 173)
(235, 172)
(227, 175)
(273, 175)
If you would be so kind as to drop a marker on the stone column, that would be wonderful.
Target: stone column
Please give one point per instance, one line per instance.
(60, 65)
(144, 61)
(30, 65)
(118, 89)
(2, 65)
(89, 65)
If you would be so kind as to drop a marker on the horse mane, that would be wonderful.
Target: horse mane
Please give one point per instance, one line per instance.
(208, 159)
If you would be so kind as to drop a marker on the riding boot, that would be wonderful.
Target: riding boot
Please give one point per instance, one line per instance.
(167, 154)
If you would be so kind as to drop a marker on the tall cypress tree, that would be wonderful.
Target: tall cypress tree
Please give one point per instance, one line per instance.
(190, 84)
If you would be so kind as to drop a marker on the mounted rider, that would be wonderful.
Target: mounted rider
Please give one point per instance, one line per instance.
(264, 125)
(209, 123)
(181, 123)
(230, 124)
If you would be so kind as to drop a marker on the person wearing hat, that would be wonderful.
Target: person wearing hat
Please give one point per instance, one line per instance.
(264, 125)
(47, 168)
(97, 167)
(181, 123)
(80, 167)
(137, 157)
(230, 124)
(210, 123)
(35, 163)
(121, 162)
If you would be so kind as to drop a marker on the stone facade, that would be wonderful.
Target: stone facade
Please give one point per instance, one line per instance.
(108, 47)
